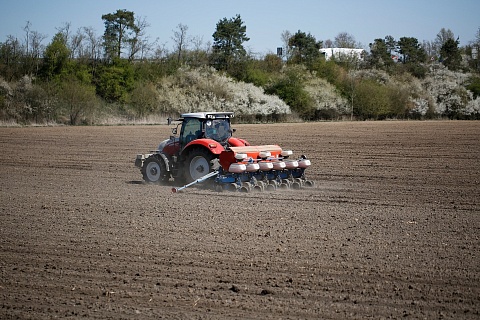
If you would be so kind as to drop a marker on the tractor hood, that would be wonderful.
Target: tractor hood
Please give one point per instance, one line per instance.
(170, 146)
(167, 142)
(162, 144)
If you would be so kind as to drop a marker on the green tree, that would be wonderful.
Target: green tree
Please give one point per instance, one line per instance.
(381, 53)
(78, 100)
(304, 48)
(413, 56)
(115, 81)
(271, 63)
(330, 71)
(260, 72)
(372, 100)
(391, 44)
(474, 86)
(228, 39)
(55, 57)
(291, 89)
(450, 54)
(144, 98)
(399, 100)
(120, 30)
(411, 50)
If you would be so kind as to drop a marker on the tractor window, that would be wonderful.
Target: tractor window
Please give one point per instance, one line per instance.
(191, 130)
(218, 129)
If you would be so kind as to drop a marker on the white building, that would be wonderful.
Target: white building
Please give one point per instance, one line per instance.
(338, 53)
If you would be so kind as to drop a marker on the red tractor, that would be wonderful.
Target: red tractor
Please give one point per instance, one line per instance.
(205, 148)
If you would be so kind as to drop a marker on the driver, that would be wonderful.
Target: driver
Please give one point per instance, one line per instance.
(221, 132)
(217, 130)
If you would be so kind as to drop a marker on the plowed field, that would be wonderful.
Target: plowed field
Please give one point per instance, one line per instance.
(391, 229)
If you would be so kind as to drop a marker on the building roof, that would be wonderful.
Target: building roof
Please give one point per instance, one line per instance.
(207, 115)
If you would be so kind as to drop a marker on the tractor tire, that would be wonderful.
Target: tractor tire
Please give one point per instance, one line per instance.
(154, 170)
(197, 164)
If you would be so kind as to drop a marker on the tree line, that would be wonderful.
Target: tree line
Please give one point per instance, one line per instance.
(80, 75)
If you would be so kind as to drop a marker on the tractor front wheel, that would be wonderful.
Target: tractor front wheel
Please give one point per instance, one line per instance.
(154, 170)
(198, 163)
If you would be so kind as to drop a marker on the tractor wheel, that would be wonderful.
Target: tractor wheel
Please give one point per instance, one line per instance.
(154, 170)
(198, 163)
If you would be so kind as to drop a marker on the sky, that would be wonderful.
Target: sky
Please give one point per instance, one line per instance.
(266, 20)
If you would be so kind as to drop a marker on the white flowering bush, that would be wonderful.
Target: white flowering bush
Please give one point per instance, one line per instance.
(373, 74)
(15, 102)
(326, 98)
(204, 89)
(420, 106)
(473, 108)
(6, 94)
(5, 89)
(448, 94)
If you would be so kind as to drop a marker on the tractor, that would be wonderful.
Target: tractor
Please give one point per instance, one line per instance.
(205, 149)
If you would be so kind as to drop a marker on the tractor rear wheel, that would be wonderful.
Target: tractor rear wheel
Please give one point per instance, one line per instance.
(154, 170)
(197, 164)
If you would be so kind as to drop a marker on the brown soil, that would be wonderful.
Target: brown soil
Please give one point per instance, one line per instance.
(391, 229)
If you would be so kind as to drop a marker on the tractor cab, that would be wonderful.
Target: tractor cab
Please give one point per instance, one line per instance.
(205, 125)
(209, 129)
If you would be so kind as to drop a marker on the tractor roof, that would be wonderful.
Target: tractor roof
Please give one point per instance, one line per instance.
(207, 115)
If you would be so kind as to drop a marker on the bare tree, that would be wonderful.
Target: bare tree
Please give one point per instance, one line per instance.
(433, 48)
(92, 48)
(475, 44)
(11, 55)
(93, 43)
(37, 48)
(285, 37)
(430, 48)
(198, 56)
(180, 39)
(138, 43)
(27, 36)
(34, 49)
(76, 44)
(65, 30)
(443, 36)
(146, 47)
(74, 41)
(328, 43)
(197, 42)
(345, 40)
(160, 51)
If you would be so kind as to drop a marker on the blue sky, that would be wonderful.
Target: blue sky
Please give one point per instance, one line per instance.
(366, 20)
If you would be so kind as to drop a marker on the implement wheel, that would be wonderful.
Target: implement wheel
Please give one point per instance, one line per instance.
(154, 170)
(198, 163)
